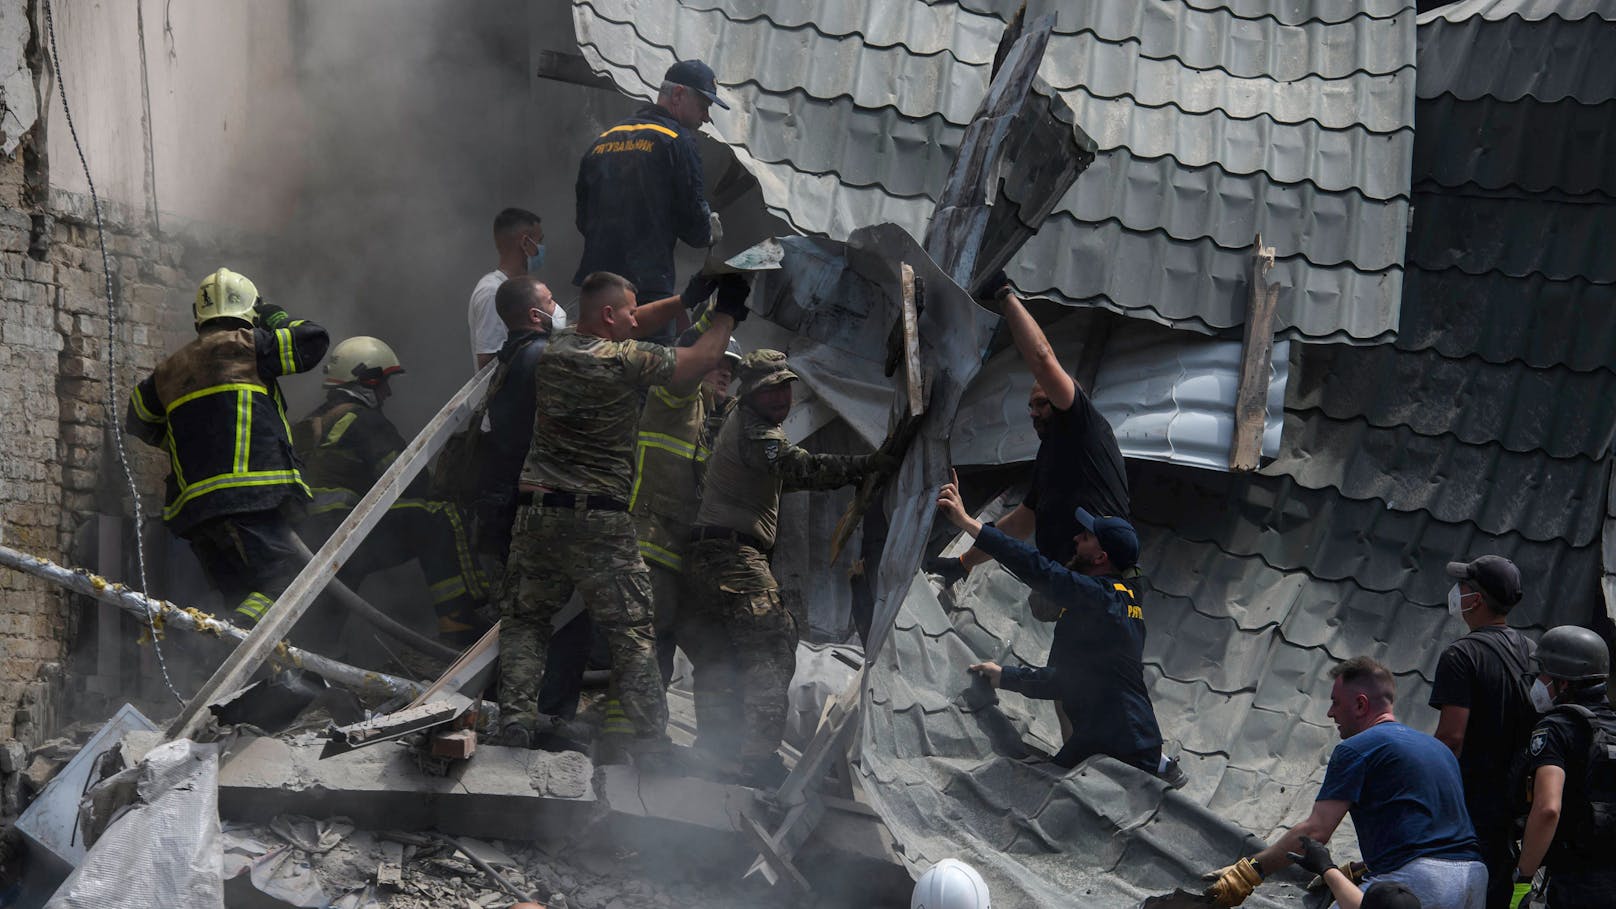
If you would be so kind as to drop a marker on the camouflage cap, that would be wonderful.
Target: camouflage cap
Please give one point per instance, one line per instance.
(762, 368)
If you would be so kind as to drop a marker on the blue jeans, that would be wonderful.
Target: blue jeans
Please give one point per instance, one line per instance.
(1439, 883)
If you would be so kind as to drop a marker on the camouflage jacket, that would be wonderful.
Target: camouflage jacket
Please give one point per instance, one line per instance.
(587, 412)
(752, 463)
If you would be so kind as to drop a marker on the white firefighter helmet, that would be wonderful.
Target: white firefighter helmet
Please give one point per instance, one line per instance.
(224, 295)
(363, 360)
(950, 884)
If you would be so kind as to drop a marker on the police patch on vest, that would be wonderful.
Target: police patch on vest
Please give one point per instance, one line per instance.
(1539, 739)
(771, 449)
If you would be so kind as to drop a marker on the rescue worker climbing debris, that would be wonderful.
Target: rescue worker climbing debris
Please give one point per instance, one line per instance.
(677, 428)
(740, 638)
(216, 408)
(346, 444)
(572, 528)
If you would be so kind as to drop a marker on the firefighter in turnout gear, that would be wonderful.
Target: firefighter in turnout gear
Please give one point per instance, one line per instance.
(677, 427)
(346, 444)
(215, 407)
(740, 638)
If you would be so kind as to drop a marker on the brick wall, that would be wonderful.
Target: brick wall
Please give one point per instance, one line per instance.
(56, 469)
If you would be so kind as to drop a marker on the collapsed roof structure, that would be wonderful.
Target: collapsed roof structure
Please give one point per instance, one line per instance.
(1440, 207)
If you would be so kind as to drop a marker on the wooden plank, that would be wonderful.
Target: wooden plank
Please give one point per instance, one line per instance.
(1251, 400)
(278, 621)
(912, 379)
(774, 865)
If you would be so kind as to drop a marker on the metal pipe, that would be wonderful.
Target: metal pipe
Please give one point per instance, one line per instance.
(167, 615)
(381, 621)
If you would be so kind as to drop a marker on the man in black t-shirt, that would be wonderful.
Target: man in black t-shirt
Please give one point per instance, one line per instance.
(1481, 689)
(1572, 824)
(1078, 463)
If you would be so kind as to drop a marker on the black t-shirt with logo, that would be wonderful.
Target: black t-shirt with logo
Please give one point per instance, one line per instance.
(1472, 674)
(1078, 466)
(1561, 739)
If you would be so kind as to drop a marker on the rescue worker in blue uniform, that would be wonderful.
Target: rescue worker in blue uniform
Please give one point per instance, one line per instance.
(640, 188)
(1096, 661)
(1571, 775)
(347, 443)
(216, 408)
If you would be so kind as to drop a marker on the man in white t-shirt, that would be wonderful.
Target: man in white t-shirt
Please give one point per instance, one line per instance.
(519, 240)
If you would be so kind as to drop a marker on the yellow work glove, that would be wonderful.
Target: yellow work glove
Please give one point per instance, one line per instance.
(1231, 885)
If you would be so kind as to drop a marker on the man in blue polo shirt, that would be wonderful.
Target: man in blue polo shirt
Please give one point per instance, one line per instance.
(1405, 796)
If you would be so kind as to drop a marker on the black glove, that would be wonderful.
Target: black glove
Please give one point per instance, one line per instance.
(949, 568)
(732, 292)
(992, 286)
(269, 315)
(1314, 857)
(698, 289)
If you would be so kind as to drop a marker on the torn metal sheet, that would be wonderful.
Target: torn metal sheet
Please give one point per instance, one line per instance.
(1168, 395)
(165, 850)
(443, 708)
(50, 824)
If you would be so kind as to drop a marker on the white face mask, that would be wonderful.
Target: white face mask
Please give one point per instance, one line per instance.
(558, 319)
(1455, 601)
(1541, 698)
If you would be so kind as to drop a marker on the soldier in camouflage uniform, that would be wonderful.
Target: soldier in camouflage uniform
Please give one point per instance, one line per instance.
(346, 444)
(572, 527)
(740, 638)
(677, 428)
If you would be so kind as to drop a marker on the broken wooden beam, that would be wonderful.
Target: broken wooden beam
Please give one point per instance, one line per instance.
(561, 66)
(296, 599)
(164, 615)
(1257, 348)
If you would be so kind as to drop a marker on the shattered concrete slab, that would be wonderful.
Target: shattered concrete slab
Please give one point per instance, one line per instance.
(508, 793)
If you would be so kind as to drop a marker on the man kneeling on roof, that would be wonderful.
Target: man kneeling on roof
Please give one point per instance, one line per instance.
(1096, 661)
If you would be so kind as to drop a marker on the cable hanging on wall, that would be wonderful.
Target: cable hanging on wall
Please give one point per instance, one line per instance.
(111, 383)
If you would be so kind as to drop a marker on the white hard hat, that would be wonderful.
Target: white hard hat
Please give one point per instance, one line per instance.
(950, 884)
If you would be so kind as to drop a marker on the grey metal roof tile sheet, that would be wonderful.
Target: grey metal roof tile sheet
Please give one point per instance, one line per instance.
(1191, 203)
(1554, 410)
(1477, 232)
(1259, 47)
(920, 27)
(1536, 146)
(1535, 320)
(780, 60)
(1201, 285)
(1540, 497)
(1551, 60)
(889, 149)
(1301, 12)
(1377, 103)
(1528, 10)
(1336, 160)
(1333, 537)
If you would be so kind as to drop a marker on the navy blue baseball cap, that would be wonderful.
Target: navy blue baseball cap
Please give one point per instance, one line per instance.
(697, 75)
(1117, 537)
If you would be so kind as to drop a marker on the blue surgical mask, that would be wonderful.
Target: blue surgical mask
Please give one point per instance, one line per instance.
(536, 261)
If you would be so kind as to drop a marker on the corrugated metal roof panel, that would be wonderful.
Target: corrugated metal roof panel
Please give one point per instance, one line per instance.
(1191, 203)
(1336, 538)
(842, 98)
(1337, 160)
(1200, 285)
(1476, 59)
(1301, 12)
(1168, 395)
(1541, 498)
(1564, 146)
(1528, 10)
(1533, 319)
(1477, 233)
(1555, 410)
